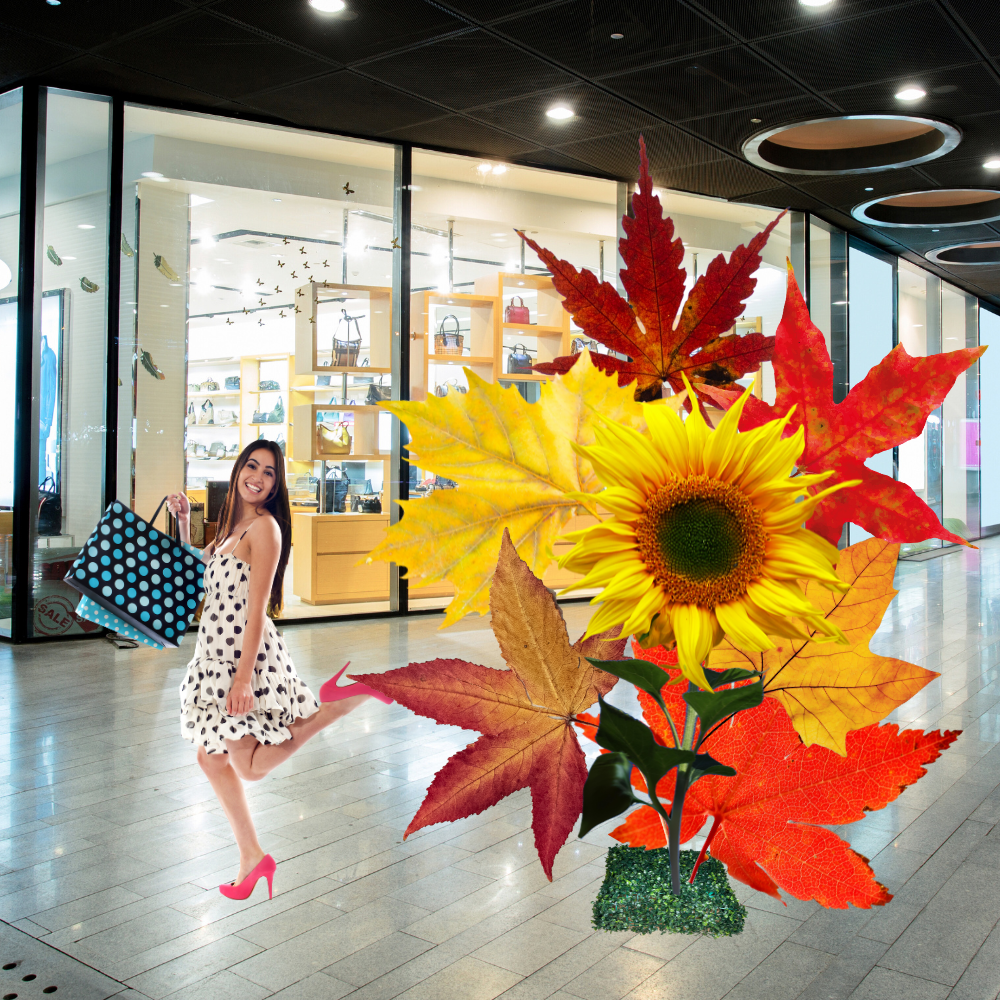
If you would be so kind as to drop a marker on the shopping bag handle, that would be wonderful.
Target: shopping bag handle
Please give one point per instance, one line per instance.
(156, 514)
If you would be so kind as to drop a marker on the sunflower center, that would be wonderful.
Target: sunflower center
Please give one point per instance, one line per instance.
(702, 539)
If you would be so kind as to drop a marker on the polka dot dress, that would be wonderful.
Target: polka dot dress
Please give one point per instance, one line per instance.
(280, 697)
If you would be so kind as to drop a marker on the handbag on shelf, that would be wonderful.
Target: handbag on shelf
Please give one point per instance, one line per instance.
(194, 387)
(207, 414)
(192, 414)
(232, 382)
(378, 393)
(452, 383)
(364, 379)
(225, 418)
(519, 361)
(579, 344)
(174, 575)
(333, 438)
(49, 520)
(280, 442)
(322, 379)
(209, 385)
(346, 349)
(277, 415)
(517, 313)
(216, 450)
(268, 385)
(449, 341)
(336, 492)
(366, 505)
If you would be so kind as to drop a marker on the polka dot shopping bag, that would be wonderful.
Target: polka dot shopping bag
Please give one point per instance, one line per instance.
(139, 577)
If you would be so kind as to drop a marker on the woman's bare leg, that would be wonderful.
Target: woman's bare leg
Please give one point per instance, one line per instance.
(228, 789)
(252, 760)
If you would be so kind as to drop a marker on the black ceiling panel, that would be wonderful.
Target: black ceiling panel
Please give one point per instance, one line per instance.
(731, 129)
(578, 34)
(22, 56)
(220, 58)
(596, 114)
(706, 85)
(468, 70)
(462, 135)
(766, 18)
(369, 28)
(344, 101)
(87, 23)
(883, 44)
(980, 19)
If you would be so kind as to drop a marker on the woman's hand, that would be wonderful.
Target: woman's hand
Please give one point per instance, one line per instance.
(179, 506)
(240, 698)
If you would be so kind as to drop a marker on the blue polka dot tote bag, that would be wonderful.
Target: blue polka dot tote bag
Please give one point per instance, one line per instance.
(143, 577)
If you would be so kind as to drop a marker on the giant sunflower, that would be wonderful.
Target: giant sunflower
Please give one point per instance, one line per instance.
(706, 536)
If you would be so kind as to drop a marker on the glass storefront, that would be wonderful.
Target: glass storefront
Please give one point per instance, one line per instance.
(256, 287)
(10, 221)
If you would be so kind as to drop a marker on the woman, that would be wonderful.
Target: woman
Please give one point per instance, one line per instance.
(241, 700)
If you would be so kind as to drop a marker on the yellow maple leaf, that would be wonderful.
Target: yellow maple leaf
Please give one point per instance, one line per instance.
(826, 688)
(515, 468)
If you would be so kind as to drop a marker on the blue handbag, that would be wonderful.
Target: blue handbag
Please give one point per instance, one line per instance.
(147, 580)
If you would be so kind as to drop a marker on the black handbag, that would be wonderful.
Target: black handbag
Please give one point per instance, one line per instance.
(519, 361)
(346, 349)
(336, 492)
(49, 521)
(367, 505)
(139, 574)
(378, 393)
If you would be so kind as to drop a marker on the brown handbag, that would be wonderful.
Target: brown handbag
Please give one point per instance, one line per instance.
(346, 349)
(449, 341)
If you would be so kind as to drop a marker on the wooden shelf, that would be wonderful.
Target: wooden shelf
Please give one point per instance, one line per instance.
(459, 359)
(214, 394)
(533, 377)
(364, 433)
(316, 323)
(535, 330)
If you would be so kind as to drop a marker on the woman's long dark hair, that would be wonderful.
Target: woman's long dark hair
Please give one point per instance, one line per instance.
(276, 505)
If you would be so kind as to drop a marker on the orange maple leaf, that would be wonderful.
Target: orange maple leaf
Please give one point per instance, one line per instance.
(525, 714)
(888, 407)
(768, 820)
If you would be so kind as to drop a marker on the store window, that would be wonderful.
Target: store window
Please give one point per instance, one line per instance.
(870, 325)
(71, 353)
(989, 374)
(828, 296)
(10, 219)
(257, 287)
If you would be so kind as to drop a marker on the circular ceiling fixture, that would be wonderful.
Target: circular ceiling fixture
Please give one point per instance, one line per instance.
(947, 207)
(851, 144)
(966, 253)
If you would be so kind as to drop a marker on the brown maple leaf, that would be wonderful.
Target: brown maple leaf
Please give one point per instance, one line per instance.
(525, 714)
(646, 328)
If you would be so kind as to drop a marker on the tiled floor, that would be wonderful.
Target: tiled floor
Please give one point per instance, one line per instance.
(114, 843)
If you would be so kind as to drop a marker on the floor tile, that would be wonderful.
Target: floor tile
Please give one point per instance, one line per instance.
(884, 984)
(466, 979)
(529, 946)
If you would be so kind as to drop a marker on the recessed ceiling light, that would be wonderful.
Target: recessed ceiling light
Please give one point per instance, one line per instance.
(617, 34)
(84, 225)
(815, 3)
(992, 164)
(276, 199)
(869, 189)
(499, 169)
(559, 112)
(53, 3)
(66, 256)
(755, 121)
(484, 168)
(328, 6)
(935, 230)
(911, 94)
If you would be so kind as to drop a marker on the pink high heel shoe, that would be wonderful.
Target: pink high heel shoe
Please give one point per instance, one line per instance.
(331, 692)
(265, 869)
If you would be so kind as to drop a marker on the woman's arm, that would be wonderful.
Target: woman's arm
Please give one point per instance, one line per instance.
(180, 507)
(264, 545)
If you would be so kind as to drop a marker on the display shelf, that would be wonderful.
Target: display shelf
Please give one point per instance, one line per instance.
(362, 423)
(232, 393)
(534, 329)
(321, 311)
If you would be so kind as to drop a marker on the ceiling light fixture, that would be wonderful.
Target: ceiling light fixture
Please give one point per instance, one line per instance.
(993, 164)
(328, 6)
(815, 3)
(484, 168)
(560, 112)
(617, 35)
(911, 94)
(869, 189)
(499, 169)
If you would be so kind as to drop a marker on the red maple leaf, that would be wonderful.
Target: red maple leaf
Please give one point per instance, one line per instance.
(888, 407)
(525, 714)
(767, 821)
(646, 328)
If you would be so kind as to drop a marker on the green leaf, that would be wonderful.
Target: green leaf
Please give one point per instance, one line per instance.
(647, 676)
(705, 763)
(608, 791)
(621, 733)
(714, 706)
(719, 677)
